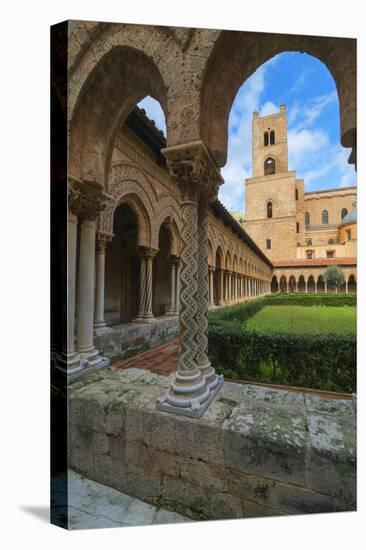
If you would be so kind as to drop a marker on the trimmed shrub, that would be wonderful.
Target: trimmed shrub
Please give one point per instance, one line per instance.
(319, 299)
(325, 362)
(322, 361)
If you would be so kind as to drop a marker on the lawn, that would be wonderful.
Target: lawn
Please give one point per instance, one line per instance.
(304, 320)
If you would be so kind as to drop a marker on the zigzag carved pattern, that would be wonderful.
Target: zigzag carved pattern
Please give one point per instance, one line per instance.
(202, 287)
(188, 345)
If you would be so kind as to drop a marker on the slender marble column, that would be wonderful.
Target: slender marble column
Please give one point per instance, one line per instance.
(149, 254)
(222, 287)
(87, 201)
(316, 287)
(142, 296)
(85, 345)
(346, 287)
(99, 321)
(306, 287)
(325, 287)
(173, 275)
(211, 276)
(69, 360)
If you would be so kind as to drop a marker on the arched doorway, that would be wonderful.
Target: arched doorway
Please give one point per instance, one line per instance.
(218, 285)
(301, 284)
(292, 284)
(352, 284)
(122, 269)
(283, 284)
(162, 274)
(321, 284)
(274, 284)
(311, 284)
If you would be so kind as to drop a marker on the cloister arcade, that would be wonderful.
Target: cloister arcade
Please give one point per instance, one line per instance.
(311, 282)
(117, 216)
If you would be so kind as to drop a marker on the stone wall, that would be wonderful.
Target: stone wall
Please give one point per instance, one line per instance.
(128, 339)
(255, 452)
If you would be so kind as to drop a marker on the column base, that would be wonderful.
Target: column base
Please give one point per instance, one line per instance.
(188, 395)
(69, 364)
(209, 374)
(99, 324)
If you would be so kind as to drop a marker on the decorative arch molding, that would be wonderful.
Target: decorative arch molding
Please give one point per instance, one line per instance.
(174, 232)
(136, 195)
(118, 69)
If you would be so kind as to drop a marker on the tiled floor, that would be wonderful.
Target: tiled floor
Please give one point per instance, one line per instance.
(94, 505)
(159, 360)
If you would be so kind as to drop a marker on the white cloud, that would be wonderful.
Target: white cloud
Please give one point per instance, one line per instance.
(302, 143)
(154, 112)
(268, 108)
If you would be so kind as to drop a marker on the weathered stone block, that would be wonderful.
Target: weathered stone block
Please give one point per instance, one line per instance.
(177, 490)
(225, 506)
(255, 510)
(268, 441)
(250, 487)
(293, 499)
(332, 457)
(205, 475)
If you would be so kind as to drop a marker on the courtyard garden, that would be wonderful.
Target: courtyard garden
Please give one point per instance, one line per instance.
(298, 340)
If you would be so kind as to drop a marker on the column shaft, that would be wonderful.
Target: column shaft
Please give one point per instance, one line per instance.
(71, 282)
(100, 283)
(86, 288)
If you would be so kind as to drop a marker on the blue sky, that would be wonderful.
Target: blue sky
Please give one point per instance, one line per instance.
(307, 88)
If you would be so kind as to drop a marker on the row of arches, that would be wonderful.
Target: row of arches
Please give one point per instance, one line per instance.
(310, 283)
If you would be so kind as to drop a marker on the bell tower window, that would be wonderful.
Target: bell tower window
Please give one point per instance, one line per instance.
(266, 139)
(269, 166)
(272, 137)
(269, 209)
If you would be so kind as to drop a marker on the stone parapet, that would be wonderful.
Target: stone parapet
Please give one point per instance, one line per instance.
(256, 451)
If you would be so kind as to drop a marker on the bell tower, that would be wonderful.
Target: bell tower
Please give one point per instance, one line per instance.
(269, 143)
(273, 196)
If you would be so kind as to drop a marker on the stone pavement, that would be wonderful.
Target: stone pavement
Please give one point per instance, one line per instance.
(160, 360)
(94, 505)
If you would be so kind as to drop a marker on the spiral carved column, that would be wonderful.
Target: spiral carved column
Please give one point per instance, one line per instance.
(142, 301)
(190, 392)
(212, 380)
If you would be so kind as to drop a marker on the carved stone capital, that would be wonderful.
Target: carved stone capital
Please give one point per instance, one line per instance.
(86, 199)
(102, 240)
(147, 252)
(193, 168)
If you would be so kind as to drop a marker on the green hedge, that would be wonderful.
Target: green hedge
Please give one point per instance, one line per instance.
(319, 299)
(325, 362)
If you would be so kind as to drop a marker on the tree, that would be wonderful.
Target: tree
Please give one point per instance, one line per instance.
(333, 276)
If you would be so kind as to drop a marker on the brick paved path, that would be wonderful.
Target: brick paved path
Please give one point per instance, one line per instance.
(159, 360)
